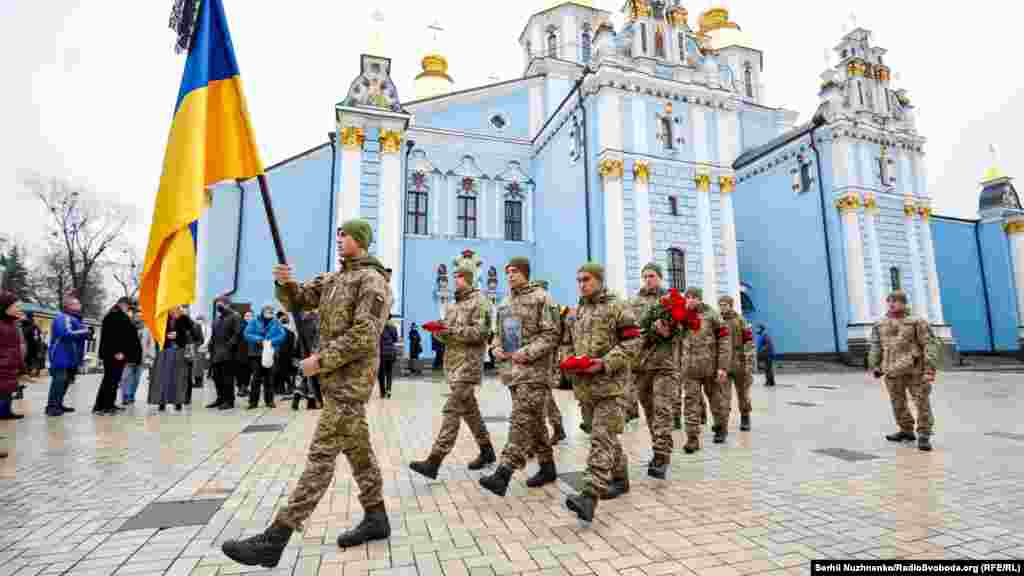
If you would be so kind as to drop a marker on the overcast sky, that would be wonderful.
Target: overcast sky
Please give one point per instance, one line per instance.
(91, 86)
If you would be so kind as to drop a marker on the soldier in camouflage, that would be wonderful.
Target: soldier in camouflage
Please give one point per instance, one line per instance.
(551, 409)
(564, 351)
(656, 375)
(904, 352)
(467, 331)
(525, 346)
(741, 369)
(706, 355)
(354, 304)
(605, 331)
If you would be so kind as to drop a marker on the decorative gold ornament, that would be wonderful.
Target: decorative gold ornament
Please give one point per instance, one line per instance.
(925, 212)
(677, 16)
(352, 137)
(1014, 227)
(848, 202)
(639, 9)
(726, 184)
(883, 73)
(703, 182)
(642, 171)
(909, 210)
(856, 68)
(435, 66)
(610, 168)
(715, 19)
(390, 141)
(870, 203)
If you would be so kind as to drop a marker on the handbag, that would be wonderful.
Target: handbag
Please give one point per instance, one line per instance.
(268, 355)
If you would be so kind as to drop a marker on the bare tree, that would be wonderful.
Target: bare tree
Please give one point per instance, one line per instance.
(81, 230)
(127, 272)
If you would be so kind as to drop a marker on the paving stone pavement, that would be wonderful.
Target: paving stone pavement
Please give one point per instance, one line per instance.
(766, 502)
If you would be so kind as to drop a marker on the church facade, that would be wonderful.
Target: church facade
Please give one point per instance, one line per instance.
(647, 143)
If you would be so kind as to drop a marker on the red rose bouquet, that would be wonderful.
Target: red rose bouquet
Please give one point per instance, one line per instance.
(576, 364)
(434, 326)
(670, 309)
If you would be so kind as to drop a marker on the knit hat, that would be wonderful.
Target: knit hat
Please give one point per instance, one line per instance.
(653, 267)
(6, 299)
(695, 292)
(594, 269)
(521, 263)
(467, 271)
(899, 296)
(726, 298)
(360, 231)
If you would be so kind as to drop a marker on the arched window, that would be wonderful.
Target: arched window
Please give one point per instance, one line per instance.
(585, 42)
(552, 44)
(894, 278)
(416, 204)
(659, 43)
(514, 220)
(677, 268)
(666, 130)
(682, 47)
(748, 80)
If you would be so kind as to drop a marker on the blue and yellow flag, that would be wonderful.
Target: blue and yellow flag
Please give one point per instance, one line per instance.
(211, 140)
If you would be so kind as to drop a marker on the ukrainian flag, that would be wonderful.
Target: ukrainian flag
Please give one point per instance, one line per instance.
(211, 140)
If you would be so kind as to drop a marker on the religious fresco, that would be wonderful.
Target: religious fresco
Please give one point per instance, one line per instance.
(374, 87)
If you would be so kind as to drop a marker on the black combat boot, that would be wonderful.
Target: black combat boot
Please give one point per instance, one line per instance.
(485, 458)
(585, 426)
(375, 526)
(745, 422)
(618, 487)
(260, 550)
(546, 475)
(692, 443)
(658, 468)
(497, 482)
(720, 436)
(427, 467)
(901, 437)
(924, 443)
(583, 505)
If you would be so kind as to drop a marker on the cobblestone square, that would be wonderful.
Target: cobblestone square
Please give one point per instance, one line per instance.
(799, 486)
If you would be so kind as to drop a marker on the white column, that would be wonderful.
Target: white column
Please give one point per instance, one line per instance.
(877, 308)
(841, 174)
(389, 211)
(610, 168)
(437, 189)
(451, 196)
(698, 123)
(347, 206)
(485, 211)
(848, 205)
(499, 209)
(202, 261)
(934, 296)
(920, 303)
(567, 50)
(528, 208)
(641, 184)
(1015, 231)
(867, 166)
(732, 267)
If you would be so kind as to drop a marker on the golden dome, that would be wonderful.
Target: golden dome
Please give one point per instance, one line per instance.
(436, 66)
(715, 19)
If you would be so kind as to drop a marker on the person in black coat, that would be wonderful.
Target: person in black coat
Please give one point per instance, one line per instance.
(285, 357)
(766, 354)
(415, 349)
(243, 370)
(388, 353)
(119, 346)
(225, 334)
(438, 348)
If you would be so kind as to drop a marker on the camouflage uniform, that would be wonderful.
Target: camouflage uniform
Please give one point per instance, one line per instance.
(741, 369)
(903, 349)
(551, 408)
(656, 378)
(469, 329)
(530, 315)
(598, 332)
(564, 351)
(354, 305)
(703, 352)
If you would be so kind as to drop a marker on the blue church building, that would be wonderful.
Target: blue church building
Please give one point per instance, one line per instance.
(651, 142)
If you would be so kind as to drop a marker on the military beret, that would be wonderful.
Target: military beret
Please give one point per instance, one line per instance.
(653, 267)
(594, 269)
(695, 292)
(467, 271)
(521, 263)
(360, 231)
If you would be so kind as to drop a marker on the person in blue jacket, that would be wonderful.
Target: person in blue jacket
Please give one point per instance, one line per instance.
(258, 333)
(766, 354)
(67, 349)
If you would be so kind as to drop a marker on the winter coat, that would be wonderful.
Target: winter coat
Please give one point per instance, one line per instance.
(259, 330)
(765, 346)
(227, 331)
(242, 353)
(186, 332)
(32, 336)
(389, 342)
(11, 357)
(119, 335)
(415, 344)
(67, 342)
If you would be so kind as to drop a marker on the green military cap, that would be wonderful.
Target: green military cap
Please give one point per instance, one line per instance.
(726, 298)
(467, 271)
(695, 292)
(594, 269)
(360, 231)
(898, 296)
(653, 267)
(521, 263)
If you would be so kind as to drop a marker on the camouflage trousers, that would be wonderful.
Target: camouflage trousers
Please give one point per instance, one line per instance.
(552, 412)
(527, 431)
(692, 405)
(716, 403)
(605, 461)
(630, 401)
(741, 381)
(657, 392)
(920, 393)
(342, 428)
(461, 406)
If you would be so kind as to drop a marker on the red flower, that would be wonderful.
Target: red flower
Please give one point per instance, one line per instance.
(576, 363)
(434, 326)
(694, 323)
(678, 313)
(630, 332)
(723, 331)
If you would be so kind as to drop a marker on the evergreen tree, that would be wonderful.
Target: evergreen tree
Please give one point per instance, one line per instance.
(16, 276)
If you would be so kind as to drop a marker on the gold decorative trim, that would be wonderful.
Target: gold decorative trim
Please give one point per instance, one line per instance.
(856, 68)
(1014, 227)
(352, 137)
(726, 184)
(883, 73)
(677, 16)
(703, 182)
(925, 212)
(390, 141)
(642, 171)
(639, 9)
(909, 210)
(870, 203)
(848, 202)
(610, 168)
